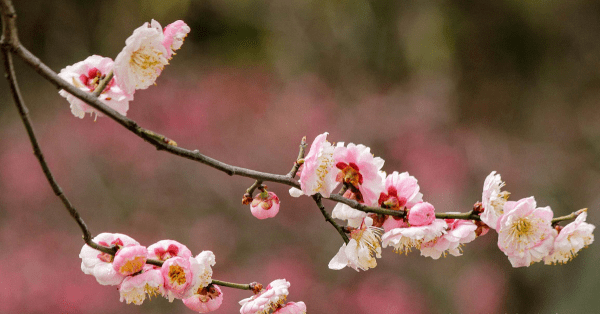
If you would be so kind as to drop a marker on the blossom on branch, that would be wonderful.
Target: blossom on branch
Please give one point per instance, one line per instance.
(273, 296)
(178, 274)
(360, 171)
(318, 171)
(492, 199)
(421, 214)
(265, 205)
(405, 239)
(206, 299)
(292, 308)
(99, 264)
(458, 232)
(130, 260)
(142, 59)
(165, 249)
(524, 232)
(361, 251)
(202, 274)
(174, 34)
(572, 238)
(86, 76)
(134, 288)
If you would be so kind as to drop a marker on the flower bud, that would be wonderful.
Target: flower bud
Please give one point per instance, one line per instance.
(265, 205)
(421, 214)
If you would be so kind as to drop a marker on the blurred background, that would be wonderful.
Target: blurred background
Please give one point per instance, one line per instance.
(446, 90)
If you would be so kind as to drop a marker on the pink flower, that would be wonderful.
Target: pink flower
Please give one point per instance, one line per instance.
(174, 34)
(524, 232)
(421, 214)
(202, 270)
(270, 298)
(458, 232)
(292, 308)
(572, 238)
(400, 190)
(206, 299)
(361, 251)
(134, 288)
(130, 260)
(99, 264)
(165, 249)
(265, 205)
(86, 76)
(142, 59)
(318, 172)
(404, 239)
(492, 199)
(178, 275)
(360, 170)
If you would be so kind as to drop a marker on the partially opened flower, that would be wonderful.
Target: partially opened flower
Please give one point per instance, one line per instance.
(492, 199)
(361, 251)
(130, 259)
(270, 298)
(572, 238)
(292, 308)
(360, 171)
(174, 34)
(318, 173)
(421, 214)
(524, 232)
(459, 231)
(98, 264)
(165, 249)
(265, 205)
(205, 299)
(134, 288)
(142, 59)
(86, 75)
(405, 239)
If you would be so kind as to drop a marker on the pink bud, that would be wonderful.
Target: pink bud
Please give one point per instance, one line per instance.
(421, 214)
(265, 205)
(130, 259)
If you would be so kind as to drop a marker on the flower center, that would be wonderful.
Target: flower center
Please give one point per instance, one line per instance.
(133, 266)
(147, 62)
(177, 274)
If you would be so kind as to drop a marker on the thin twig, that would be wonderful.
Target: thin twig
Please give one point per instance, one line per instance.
(232, 285)
(570, 216)
(300, 160)
(340, 230)
(103, 83)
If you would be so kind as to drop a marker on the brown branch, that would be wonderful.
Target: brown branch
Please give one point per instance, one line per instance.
(300, 160)
(570, 216)
(317, 197)
(103, 83)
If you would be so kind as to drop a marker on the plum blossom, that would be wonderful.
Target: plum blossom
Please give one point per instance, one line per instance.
(360, 170)
(99, 264)
(86, 76)
(202, 270)
(458, 232)
(178, 274)
(292, 308)
(524, 232)
(318, 173)
(572, 238)
(421, 214)
(361, 251)
(134, 288)
(165, 249)
(492, 199)
(272, 297)
(344, 212)
(142, 59)
(130, 260)
(404, 239)
(174, 34)
(265, 205)
(205, 299)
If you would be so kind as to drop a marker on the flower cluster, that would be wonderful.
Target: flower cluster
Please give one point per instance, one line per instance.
(272, 300)
(526, 233)
(137, 66)
(181, 275)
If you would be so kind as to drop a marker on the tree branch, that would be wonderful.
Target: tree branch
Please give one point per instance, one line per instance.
(340, 230)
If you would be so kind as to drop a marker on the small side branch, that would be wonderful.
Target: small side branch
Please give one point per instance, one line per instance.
(570, 216)
(340, 230)
(300, 160)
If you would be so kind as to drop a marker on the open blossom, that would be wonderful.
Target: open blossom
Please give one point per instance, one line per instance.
(202, 270)
(360, 170)
(524, 232)
(572, 238)
(492, 199)
(165, 249)
(292, 308)
(318, 172)
(361, 251)
(174, 34)
(270, 298)
(265, 205)
(405, 239)
(142, 59)
(178, 274)
(459, 231)
(421, 214)
(134, 288)
(130, 259)
(205, 299)
(86, 76)
(98, 264)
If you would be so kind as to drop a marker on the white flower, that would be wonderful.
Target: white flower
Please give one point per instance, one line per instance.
(404, 239)
(98, 264)
(268, 299)
(572, 238)
(134, 288)
(202, 272)
(142, 59)
(459, 232)
(492, 199)
(361, 251)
